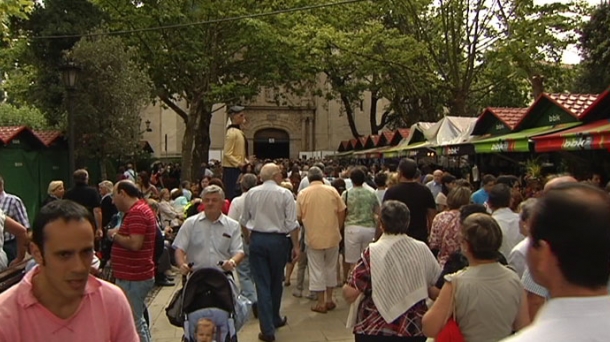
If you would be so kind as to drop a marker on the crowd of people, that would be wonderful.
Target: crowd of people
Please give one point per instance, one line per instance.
(414, 253)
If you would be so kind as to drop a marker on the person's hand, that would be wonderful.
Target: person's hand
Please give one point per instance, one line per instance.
(110, 233)
(99, 233)
(168, 230)
(296, 253)
(228, 265)
(15, 262)
(185, 269)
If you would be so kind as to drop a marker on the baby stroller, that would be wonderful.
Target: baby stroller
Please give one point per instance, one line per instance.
(209, 294)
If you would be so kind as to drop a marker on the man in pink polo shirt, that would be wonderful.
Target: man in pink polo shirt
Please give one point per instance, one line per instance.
(58, 300)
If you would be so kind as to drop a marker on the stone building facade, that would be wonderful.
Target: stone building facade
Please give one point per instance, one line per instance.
(295, 127)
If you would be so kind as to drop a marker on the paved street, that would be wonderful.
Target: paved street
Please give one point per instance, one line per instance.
(303, 324)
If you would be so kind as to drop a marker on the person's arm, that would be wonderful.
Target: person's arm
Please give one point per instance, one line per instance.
(350, 294)
(243, 220)
(534, 303)
(22, 214)
(97, 214)
(523, 317)
(132, 242)
(431, 213)
(435, 233)
(435, 319)
(236, 250)
(21, 234)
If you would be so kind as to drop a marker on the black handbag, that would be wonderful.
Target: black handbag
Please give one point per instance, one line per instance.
(174, 312)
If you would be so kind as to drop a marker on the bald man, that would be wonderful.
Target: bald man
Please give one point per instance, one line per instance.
(435, 185)
(537, 294)
(268, 217)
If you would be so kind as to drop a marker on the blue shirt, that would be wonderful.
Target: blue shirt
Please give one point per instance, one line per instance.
(479, 197)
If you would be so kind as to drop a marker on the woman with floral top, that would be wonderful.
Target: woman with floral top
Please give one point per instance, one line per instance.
(445, 231)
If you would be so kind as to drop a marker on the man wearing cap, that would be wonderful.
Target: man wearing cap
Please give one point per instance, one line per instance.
(235, 150)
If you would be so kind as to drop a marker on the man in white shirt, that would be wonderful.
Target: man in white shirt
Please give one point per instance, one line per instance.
(209, 239)
(499, 203)
(269, 215)
(305, 181)
(246, 282)
(435, 184)
(568, 254)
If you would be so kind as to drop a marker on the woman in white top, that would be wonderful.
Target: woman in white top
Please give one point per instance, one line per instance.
(20, 233)
(487, 297)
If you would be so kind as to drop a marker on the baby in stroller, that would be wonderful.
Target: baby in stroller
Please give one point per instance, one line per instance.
(205, 331)
(209, 301)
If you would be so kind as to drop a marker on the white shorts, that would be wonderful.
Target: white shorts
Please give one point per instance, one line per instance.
(357, 238)
(322, 264)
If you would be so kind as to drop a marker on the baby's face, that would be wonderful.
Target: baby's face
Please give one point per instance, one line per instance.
(205, 334)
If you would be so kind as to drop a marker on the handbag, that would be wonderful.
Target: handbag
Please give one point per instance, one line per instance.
(451, 331)
(173, 311)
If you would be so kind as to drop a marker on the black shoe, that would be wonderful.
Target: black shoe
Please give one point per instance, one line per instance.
(255, 310)
(283, 322)
(164, 282)
(266, 338)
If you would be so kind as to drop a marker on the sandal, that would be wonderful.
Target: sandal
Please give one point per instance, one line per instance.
(319, 309)
(330, 306)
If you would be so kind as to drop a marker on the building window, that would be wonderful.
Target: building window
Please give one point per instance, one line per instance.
(269, 95)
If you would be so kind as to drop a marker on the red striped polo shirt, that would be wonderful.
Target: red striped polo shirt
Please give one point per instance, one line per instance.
(136, 265)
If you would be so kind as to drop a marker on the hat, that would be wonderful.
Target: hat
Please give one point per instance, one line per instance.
(236, 109)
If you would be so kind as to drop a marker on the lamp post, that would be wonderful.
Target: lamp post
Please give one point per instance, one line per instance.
(69, 76)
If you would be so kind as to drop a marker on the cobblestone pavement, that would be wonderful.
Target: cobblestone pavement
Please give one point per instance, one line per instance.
(303, 324)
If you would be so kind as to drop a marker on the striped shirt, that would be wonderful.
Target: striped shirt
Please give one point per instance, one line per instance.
(14, 208)
(136, 265)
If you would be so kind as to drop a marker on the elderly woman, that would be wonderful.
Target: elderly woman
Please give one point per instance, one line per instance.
(445, 232)
(168, 215)
(55, 191)
(393, 276)
(516, 258)
(487, 297)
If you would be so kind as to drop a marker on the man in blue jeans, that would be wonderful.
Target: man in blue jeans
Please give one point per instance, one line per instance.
(269, 214)
(133, 250)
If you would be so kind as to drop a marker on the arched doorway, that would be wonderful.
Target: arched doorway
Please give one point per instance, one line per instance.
(271, 143)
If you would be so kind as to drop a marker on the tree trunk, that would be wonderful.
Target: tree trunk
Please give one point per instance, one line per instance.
(349, 110)
(187, 144)
(373, 113)
(459, 103)
(537, 82)
(202, 141)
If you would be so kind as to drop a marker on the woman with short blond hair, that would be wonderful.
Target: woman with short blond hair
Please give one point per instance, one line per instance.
(55, 191)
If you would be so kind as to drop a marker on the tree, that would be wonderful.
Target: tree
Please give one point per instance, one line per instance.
(38, 62)
(111, 92)
(10, 9)
(594, 48)
(205, 64)
(11, 115)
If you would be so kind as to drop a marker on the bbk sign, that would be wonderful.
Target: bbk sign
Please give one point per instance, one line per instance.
(501, 146)
(553, 118)
(579, 143)
(499, 126)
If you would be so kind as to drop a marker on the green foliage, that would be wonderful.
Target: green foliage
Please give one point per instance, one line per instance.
(112, 90)
(10, 9)
(595, 51)
(41, 59)
(11, 115)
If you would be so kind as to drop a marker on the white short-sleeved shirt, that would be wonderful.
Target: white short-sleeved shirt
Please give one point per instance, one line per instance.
(516, 258)
(569, 319)
(269, 208)
(509, 223)
(3, 257)
(206, 243)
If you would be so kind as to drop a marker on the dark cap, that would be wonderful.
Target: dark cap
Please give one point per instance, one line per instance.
(236, 109)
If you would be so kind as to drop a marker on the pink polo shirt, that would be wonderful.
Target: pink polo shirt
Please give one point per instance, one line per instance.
(103, 316)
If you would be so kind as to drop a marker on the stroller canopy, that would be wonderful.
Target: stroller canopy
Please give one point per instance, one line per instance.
(207, 288)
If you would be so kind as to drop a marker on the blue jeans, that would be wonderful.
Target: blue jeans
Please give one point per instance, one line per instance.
(229, 178)
(268, 257)
(136, 292)
(245, 277)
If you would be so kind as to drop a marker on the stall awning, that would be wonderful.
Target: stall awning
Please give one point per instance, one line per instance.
(345, 154)
(376, 152)
(407, 150)
(593, 136)
(519, 141)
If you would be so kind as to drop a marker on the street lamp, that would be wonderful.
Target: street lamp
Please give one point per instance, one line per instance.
(148, 129)
(69, 76)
